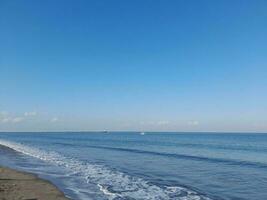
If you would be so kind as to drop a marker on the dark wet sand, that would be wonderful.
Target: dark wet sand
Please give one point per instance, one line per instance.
(15, 185)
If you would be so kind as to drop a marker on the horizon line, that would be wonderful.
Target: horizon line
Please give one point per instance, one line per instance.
(131, 131)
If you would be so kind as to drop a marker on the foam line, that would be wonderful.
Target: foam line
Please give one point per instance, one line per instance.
(114, 184)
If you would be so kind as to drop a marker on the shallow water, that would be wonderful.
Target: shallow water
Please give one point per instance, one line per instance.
(118, 165)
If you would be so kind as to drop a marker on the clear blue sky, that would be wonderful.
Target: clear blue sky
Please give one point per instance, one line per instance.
(183, 65)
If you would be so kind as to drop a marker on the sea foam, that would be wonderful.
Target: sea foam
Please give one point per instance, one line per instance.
(112, 183)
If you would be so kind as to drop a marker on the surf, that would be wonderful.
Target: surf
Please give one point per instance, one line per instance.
(112, 183)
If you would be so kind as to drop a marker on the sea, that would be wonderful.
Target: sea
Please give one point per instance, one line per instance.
(143, 166)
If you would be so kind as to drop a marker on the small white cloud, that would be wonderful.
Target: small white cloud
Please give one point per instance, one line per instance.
(11, 119)
(17, 119)
(156, 123)
(54, 119)
(193, 123)
(6, 120)
(28, 114)
(4, 113)
(161, 123)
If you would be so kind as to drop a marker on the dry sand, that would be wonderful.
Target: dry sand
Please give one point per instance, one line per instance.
(16, 185)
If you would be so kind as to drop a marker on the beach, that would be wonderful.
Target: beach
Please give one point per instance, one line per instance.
(129, 165)
(16, 185)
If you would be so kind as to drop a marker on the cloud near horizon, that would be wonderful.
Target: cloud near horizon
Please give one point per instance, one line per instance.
(27, 114)
(43, 121)
(193, 123)
(54, 119)
(6, 117)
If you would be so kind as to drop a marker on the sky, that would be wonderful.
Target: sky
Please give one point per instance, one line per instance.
(142, 65)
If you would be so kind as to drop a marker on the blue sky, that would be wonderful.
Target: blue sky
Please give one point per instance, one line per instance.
(133, 65)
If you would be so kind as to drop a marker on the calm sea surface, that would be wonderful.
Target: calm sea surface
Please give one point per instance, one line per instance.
(156, 166)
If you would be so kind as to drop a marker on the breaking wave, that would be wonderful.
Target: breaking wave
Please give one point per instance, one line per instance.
(115, 185)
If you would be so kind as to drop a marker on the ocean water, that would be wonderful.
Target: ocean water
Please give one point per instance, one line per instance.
(152, 166)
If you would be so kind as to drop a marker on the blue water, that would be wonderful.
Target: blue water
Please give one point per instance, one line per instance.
(118, 165)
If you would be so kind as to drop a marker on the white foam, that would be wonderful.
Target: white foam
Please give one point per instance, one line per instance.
(106, 192)
(113, 184)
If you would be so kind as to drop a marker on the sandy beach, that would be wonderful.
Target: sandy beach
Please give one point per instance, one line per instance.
(15, 185)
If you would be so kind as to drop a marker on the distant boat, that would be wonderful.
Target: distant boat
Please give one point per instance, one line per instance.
(142, 133)
(104, 131)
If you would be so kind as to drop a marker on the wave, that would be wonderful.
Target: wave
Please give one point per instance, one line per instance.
(182, 156)
(114, 184)
(239, 147)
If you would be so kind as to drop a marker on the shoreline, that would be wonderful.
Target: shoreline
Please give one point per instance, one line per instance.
(18, 185)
